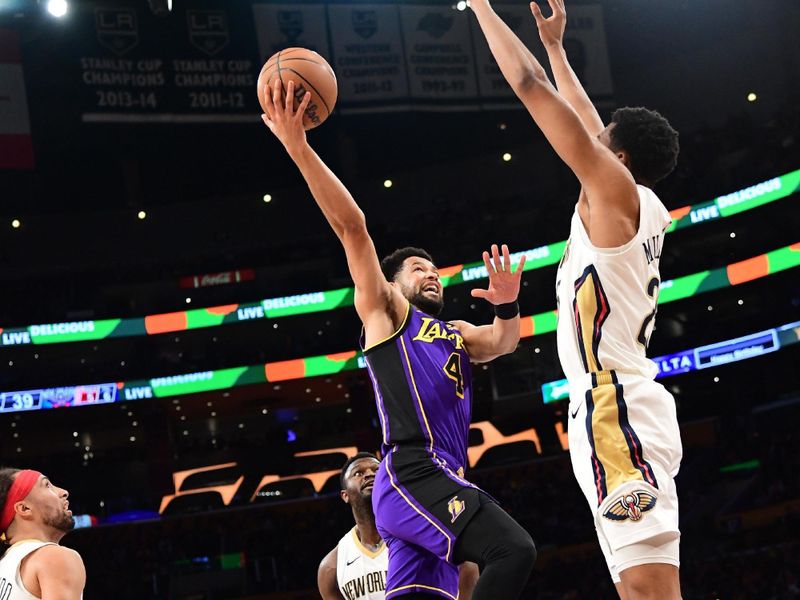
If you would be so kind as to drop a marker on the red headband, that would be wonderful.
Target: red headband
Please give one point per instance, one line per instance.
(22, 486)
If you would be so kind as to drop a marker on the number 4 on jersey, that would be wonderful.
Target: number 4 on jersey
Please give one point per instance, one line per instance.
(452, 369)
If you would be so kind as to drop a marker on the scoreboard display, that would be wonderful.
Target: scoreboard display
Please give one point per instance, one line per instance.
(82, 395)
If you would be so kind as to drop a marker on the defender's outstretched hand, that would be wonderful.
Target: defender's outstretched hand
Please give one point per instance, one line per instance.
(503, 282)
(281, 117)
(551, 29)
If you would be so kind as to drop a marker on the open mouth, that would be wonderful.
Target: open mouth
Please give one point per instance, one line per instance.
(431, 289)
(368, 485)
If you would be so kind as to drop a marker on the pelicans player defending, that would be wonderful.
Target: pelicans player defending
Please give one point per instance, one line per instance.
(431, 518)
(623, 432)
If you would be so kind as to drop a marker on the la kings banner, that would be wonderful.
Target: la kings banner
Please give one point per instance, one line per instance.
(439, 57)
(585, 43)
(201, 64)
(193, 66)
(280, 26)
(492, 86)
(368, 57)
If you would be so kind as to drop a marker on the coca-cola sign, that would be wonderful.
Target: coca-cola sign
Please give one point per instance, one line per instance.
(223, 278)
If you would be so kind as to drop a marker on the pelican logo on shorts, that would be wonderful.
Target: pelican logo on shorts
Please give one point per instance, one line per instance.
(208, 30)
(456, 507)
(631, 506)
(290, 22)
(117, 29)
(365, 23)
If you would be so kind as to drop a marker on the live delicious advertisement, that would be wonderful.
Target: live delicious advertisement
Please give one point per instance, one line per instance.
(191, 66)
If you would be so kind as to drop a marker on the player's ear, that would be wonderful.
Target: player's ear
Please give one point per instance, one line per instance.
(344, 496)
(624, 158)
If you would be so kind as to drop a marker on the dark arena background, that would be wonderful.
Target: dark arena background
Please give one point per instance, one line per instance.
(177, 332)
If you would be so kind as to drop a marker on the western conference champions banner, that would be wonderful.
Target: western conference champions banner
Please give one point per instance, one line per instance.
(201, 65)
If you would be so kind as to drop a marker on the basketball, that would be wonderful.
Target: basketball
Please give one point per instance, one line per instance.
(310, 73)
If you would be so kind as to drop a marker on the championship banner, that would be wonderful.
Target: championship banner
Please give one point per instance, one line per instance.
(280, 26)
(491, 83)
(585, 43)
(16, 146)
(368, 57)
(194, 66)
(439, 57)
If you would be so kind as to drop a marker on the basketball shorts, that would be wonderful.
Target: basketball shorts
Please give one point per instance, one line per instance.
(625, 448)
(421, 505)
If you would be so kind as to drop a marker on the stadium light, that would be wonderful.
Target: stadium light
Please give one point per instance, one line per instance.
(506, 157)
(267, 198)
(751, 97)
(387, 183)
(160, 8)
(16, 223)
(57, 8)
(142, 215)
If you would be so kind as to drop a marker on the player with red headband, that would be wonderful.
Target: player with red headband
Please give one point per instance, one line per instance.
(34, 516)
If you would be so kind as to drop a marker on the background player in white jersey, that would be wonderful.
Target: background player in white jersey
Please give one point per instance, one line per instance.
(356, 568)
(624, 437)
(34, 516)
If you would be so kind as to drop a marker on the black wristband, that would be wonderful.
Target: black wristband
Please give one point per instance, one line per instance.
(507, 311)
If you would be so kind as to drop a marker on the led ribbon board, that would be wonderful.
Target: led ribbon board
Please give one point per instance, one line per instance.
(285, 306)
(330, 364)
(704, 357)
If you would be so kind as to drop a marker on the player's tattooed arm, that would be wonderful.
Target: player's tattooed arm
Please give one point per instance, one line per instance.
(326, 577)
(609, 185)
(380, 307)
(551, 32)
(487, 342)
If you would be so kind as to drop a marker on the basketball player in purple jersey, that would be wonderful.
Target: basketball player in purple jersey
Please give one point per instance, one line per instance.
(431, 518)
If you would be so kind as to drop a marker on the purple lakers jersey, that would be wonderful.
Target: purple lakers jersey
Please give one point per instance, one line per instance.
(423, 386)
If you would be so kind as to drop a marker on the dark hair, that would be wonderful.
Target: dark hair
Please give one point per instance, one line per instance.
(392, 264)
(649, 140)
(351, 460)
(6, 480)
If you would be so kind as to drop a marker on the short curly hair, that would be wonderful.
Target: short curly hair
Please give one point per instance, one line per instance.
(649, 140)
(392, 263)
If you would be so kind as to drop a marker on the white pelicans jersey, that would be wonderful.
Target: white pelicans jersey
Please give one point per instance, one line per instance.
(11, 586)
(607, 297)
(623, 433)
(361, 573)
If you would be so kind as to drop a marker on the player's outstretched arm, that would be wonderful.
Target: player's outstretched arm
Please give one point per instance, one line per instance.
(326, 577)
(487, 342)
(374, 298)
(59, 572)
(608, 183)
(551, 32)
